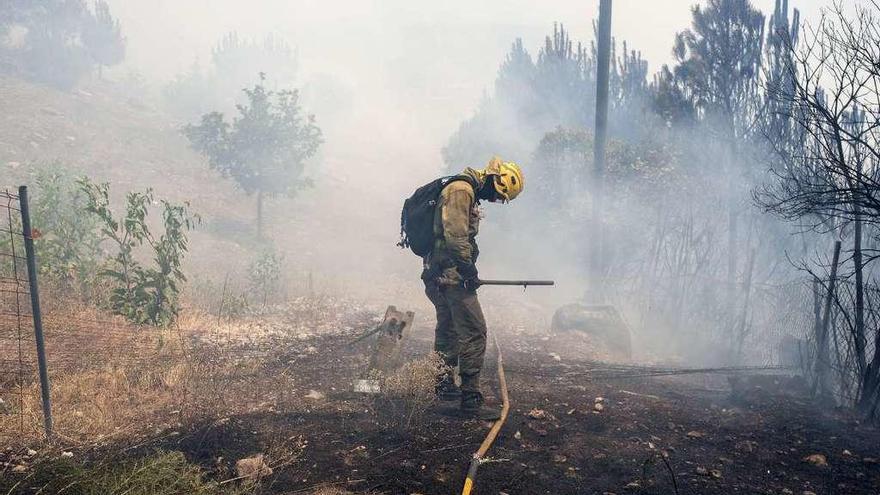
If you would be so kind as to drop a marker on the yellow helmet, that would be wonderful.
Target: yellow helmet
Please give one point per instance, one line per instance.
(507, 176)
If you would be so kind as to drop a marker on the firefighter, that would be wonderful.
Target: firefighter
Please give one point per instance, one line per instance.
(450, 276)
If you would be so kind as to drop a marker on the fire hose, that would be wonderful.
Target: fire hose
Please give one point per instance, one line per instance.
(480, 455)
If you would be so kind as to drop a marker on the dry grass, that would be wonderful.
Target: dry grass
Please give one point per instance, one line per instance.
(116, 385)
(408, 392)
(111, 380)
(163, 473)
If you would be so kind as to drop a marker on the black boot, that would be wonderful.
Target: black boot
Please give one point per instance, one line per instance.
(446, 389)
(472, 407)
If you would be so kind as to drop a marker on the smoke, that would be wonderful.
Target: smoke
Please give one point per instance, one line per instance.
(389, 82)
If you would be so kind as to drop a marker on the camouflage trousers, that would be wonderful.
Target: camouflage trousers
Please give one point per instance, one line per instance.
(460, 335)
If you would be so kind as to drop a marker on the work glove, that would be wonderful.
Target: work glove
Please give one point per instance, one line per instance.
(471, 284)
(469, 277)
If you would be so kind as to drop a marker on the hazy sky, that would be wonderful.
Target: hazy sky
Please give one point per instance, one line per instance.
(413, 69)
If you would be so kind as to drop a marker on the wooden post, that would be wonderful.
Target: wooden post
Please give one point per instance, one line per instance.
(392, 331)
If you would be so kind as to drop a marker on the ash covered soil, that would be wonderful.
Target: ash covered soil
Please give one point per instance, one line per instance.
(652, 435)
(568, 432)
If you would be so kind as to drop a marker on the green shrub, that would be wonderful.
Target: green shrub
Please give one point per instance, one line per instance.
(142, 294)
(67, 241)
(68, 249)
(264, 275)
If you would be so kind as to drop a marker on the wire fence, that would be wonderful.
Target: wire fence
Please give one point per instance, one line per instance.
(17, 351)
(81, 349)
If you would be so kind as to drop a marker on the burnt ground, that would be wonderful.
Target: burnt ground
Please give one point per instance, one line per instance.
(652, 435)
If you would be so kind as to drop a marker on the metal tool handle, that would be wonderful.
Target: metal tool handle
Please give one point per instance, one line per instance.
(522, 283)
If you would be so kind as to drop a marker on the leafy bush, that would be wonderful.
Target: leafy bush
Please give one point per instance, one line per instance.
(142, 294)
(264, 275)
(68, 243)
(68, 248)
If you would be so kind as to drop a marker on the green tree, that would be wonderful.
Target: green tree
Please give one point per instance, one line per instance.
(719, 61)
(215, 83)
(102, 37)
(58, 42)
(558, 88)
(265, 147)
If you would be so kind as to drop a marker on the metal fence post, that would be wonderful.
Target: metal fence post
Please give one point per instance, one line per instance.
(35, 308)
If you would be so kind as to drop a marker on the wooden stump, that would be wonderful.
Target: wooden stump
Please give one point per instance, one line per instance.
(392, 331)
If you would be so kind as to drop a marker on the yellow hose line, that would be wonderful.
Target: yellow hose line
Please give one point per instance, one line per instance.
(493, 432)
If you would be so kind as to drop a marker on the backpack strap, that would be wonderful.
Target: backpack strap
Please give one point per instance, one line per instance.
(463, 177)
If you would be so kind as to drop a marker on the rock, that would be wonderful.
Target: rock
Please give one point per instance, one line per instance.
(847, 452)
(314, 395)
(19, 468)
(816, 460)
(517, 435)
(702, 471)
(31, 452)
(808, 492)
(598, 407)
(601, 324)
(252, 467)
(537, 414)
(695, 434)
(599, 399)
(555, 356)
(67, 454)
(715, 473)
(559, 459)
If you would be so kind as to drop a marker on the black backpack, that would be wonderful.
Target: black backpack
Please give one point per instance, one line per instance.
(417, 216)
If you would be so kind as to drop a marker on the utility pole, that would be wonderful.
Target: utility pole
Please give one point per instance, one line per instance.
(602, 75)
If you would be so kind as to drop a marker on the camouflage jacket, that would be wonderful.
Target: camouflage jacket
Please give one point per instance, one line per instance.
(456, 224)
